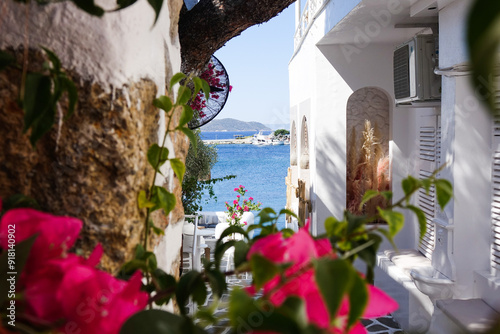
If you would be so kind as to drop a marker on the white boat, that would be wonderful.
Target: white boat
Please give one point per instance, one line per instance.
(278, 142)
(261, 140)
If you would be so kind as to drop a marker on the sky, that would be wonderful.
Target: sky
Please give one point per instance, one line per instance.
(257, 64)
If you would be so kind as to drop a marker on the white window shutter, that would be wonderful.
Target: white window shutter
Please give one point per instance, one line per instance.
(495, 185)
(429, 156)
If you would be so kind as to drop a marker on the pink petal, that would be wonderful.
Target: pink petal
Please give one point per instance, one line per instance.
(379, 303)
(271, 246)
(323, 247)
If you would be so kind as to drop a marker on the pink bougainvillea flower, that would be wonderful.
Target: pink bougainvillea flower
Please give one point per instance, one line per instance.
(238, 208)
(299, 249)
(235, 201)
(241, 186)
(246, 208)
(250, 198)
(238, 196)
(56, 234)
(245, 223)
(96, 302)
(236, 189)
(42, 286)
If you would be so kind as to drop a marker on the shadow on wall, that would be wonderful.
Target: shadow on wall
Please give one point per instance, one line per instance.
(330, 179)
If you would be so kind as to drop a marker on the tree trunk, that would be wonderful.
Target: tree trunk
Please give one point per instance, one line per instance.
(211, 23)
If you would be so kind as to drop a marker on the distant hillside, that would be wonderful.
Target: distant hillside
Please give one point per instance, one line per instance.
(231, 124)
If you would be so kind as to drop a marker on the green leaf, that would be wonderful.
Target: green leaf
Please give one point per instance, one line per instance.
(142, 201)
(183, 95)
(197, 85)
(42, 125)
(192, 137)
(354, 222)
(444, 192)
(295, 308)
(395, 220)
(89, 6)
(19, 201)
(186, 115)
(389, 237)
(125, 3)
(133, 265)
(241, 249)
(56, 63)
(368, 195)
(158, 321)
(334, 228)
(242, 309)
(206, 88)
(334, 279)
(157, 156)
(164, 282)
(287, 232)
(163, 102)
(156, 229)
(139, 251)
(483, 38)
(410, 185)
(369, 254)
(220, 249)
(190, 284)
(22, 251)
(177, 78)
(426, 184)
(288, 212)
(37, 94)
(263, 270)
(421, 219)
(217, 282)
(162, 199)
(387, 195)
(178, 167)
(230, 230)
(69, 86)
(358, 299)
(6, 59)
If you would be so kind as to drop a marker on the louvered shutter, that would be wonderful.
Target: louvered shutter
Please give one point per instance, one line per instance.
(429, 154)
(495, 206)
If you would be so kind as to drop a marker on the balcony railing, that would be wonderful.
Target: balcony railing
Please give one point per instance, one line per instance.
(311, 10)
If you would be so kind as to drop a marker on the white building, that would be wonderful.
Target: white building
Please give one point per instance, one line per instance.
(341, 72)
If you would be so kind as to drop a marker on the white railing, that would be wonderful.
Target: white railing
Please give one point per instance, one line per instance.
(311, 10)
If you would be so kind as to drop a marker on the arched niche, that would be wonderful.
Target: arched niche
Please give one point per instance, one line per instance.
(367, 148)
(304, 145)
(293, 145)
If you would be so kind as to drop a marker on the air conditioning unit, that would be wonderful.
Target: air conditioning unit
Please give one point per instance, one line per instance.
(414, 78)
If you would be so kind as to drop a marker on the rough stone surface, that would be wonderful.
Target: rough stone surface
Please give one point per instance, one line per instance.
(96, 167)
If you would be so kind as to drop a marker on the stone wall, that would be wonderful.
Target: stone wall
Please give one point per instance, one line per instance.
(93, 165)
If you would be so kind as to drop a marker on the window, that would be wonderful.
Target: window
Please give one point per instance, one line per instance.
(429, 160)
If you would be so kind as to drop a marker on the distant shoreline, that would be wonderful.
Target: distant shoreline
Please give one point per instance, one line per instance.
(246, 140)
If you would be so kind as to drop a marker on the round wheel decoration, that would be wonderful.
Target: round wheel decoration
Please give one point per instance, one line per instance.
(206, 109)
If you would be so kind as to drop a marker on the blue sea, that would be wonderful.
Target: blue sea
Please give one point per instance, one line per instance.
(260, 169)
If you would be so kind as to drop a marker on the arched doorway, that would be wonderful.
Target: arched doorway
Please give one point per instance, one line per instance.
(367, 165)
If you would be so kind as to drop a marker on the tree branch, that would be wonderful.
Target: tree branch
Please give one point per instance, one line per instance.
(211, 23)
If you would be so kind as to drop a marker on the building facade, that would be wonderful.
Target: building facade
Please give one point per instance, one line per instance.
(346, 69)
